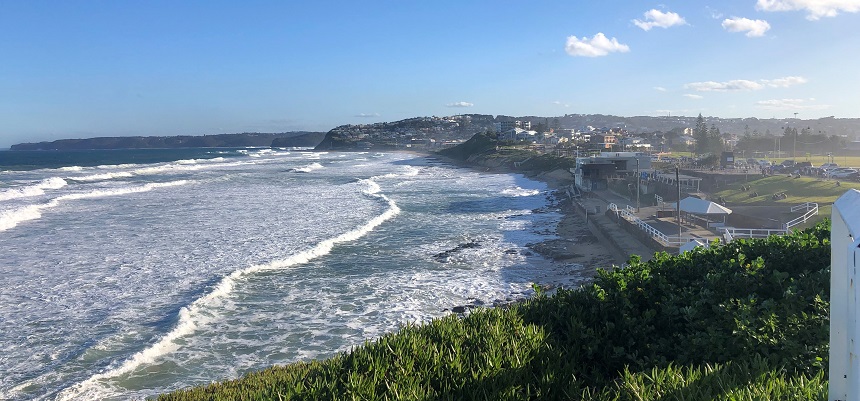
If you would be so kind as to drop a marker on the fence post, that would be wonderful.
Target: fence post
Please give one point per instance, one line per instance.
(844, 375)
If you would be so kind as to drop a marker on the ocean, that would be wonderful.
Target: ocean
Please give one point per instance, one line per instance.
(129, 273)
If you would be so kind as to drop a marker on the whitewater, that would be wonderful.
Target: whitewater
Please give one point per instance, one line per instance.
(124, 280)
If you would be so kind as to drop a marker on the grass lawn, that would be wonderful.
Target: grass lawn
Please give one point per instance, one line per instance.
(842, 161)
(797, 191)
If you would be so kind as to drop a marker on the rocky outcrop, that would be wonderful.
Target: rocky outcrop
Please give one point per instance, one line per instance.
(443, 256)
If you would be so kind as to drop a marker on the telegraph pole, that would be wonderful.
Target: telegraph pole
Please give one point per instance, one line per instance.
(637, 183)
(794, 151)
(678, 204)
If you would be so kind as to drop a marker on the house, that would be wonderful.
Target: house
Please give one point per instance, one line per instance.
(605, 141)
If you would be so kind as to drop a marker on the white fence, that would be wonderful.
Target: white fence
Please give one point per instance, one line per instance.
(731, 233)
(667, 240)
(811, 210)
(844, 380)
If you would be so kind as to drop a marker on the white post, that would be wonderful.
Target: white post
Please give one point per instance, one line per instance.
(844, 380)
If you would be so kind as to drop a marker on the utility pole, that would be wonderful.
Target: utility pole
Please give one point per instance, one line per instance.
(794, 151)
(678, 204)
(638, 180)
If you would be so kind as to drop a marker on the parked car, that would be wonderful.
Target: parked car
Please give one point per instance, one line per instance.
(828, 166)
(788, 163)
(843, 173)
(764, 163)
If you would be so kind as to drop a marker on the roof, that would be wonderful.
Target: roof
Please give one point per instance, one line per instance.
(701, 206)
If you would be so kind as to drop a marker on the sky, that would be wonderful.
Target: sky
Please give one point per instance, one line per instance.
(79, 69)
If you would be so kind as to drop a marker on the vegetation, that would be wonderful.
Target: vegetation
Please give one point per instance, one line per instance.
(486, 148)
(792, 142)
(478, 144)
(707, 140)
(747, 320)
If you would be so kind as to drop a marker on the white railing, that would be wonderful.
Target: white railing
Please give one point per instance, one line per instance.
(811, 210)
(733, 233)
(844, 380)
(667, 240)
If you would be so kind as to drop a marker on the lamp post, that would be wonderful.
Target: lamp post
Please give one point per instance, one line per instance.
(678, 204)
(794, 150)
(637, 183)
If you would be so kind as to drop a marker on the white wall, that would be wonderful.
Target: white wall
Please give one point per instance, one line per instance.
(844, 380)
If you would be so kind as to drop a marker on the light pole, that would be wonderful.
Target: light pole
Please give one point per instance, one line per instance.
(794, 151)
(637, 184)
(678, 204)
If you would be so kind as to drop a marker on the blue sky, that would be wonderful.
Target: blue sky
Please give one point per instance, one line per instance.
(104, 68)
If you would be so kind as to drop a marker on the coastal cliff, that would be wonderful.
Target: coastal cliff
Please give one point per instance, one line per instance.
(284, 139)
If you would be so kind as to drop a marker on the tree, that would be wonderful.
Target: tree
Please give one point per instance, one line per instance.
(715, 140)
(700, 135)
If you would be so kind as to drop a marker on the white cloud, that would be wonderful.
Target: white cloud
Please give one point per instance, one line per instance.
(744, 85)
(597, 46)
(692, 96)
(815, 8)
(559, 103)
(367, 115)
(460, 104)
(660, 89)
(790, 104)
(784, 82)
(714, 13)
(753, 28)
(657, 18)
(729, 86)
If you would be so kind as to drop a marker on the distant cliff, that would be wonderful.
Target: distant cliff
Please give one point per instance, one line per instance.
(285, 139)
(307, 140)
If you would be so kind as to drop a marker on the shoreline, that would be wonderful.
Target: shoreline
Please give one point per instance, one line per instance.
(580, 249)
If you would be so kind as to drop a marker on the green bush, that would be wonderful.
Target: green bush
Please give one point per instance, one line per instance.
(747, 320)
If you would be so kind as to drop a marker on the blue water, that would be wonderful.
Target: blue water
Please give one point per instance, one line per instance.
(126, 274)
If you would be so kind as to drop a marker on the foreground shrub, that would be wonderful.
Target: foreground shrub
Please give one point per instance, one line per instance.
(743, 321)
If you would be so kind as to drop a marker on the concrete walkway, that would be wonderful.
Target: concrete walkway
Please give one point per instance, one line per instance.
(593, 207)
(630, 240)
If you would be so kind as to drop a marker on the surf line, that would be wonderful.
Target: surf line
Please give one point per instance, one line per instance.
(12, 218)
(190, 316)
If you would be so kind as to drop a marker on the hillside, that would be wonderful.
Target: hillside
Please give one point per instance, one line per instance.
(158, 142)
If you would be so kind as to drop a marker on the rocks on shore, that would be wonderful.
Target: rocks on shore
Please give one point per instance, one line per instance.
(443, 256)
(556, 249)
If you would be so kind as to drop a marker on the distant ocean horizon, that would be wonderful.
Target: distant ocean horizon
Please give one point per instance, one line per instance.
(129, 273)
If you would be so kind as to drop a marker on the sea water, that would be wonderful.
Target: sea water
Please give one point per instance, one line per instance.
(125, 274)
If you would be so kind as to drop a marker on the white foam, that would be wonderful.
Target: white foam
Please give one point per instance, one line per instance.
(101, 177)
(193, 315)
(71, 168)
(33, 190)
(11, 218)
(517, 192)
(308, 168)
(177, 167)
